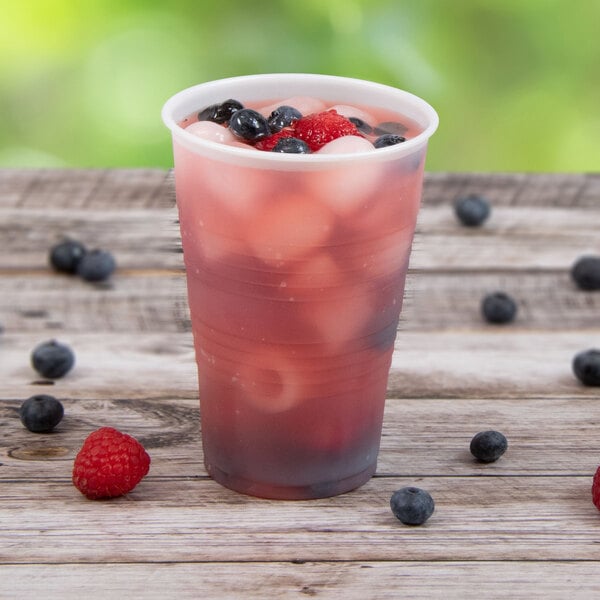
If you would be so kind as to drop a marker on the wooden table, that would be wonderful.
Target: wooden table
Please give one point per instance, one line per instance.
(524, 526)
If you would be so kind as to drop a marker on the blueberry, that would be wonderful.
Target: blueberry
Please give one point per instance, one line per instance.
(96, 265)
(41, 413)
(472, 210)
(249, 125)
(283, 116)
(393, 127)
(220, 113)
(65, 256)
(586, 272)
(498, 308)
(291, 145)
(586, 366)
(412, 505)
(388, 139)
(361, 125)
(488, 446)
(52, 359)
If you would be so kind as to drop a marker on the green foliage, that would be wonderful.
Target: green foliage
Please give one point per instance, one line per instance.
(515, 81)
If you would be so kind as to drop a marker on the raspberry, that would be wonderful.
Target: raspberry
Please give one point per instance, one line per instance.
(596, 489)
(270, 142)
(109, 464)
(319, 129)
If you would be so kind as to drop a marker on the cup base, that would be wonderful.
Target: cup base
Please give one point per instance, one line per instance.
(304, 492)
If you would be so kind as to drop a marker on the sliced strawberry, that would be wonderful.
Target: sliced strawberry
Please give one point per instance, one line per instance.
(269, 143)
(320, 128)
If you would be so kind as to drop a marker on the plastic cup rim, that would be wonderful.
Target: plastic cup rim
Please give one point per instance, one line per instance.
(269, 158)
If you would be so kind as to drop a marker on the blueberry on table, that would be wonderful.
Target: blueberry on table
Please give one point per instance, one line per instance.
(41, 413)
(586, 366)
(96, 265)
(412, 505)
(291, 145)
(66, 255)
(283, 116)
(472, 210)
(388, 139)
(586, 273)
(52, 359)
(249, 125)
(498, 308)
(488, 446)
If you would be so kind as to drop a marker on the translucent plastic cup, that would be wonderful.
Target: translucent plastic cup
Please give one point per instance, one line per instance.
(295, 271)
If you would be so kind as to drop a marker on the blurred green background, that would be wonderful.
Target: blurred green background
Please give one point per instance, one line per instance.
(516, 82)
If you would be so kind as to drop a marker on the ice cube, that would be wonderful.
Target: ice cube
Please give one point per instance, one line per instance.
(352, 111)
(346, 188)
(207, 130)
(341, 319)
(269, 381)
(347, 144)
(305, 104)
(291, 227)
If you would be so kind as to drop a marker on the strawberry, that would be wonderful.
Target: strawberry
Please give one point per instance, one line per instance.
(269, 143)
(596, 489)
(109, 464)
(319, 128)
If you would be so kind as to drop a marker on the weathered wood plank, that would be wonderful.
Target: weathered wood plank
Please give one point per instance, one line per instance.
(132, 213)
(330, 580)
(420, 437)
(481, 518)
(451, 364)
(157, 302)
(113, 189)
(149, 239)
(100, 188)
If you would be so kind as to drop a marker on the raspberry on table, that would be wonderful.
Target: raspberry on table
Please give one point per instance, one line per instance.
(596, 489)
(412, 505)
(109, 464)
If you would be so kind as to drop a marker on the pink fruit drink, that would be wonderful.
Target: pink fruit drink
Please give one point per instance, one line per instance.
(295, 268)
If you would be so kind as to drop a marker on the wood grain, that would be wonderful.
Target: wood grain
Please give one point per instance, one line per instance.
(476, 518)
(524, 526)
(472, 580)
(548, 437)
